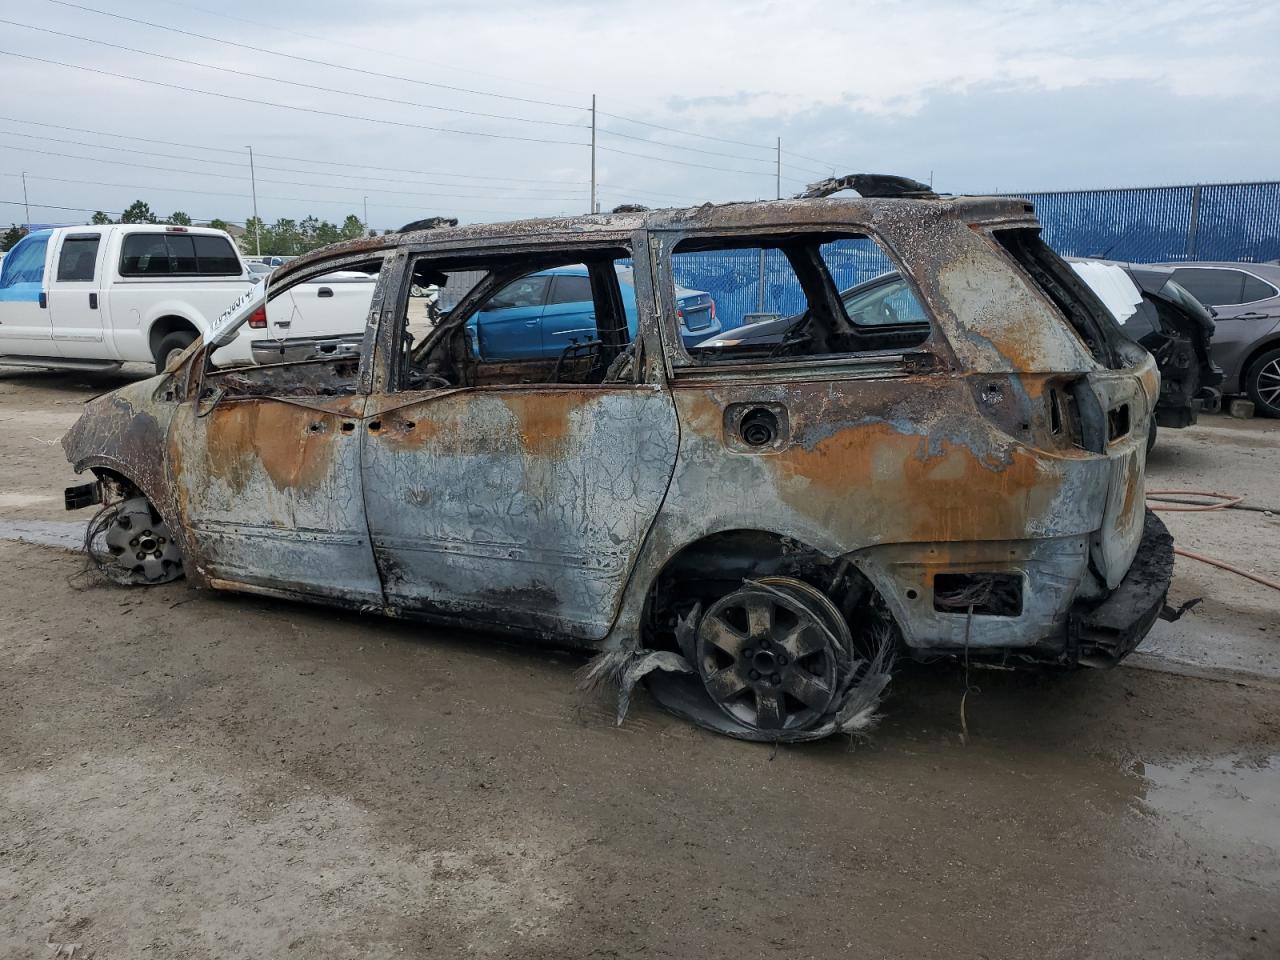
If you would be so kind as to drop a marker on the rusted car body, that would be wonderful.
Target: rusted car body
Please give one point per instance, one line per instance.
(978, 492)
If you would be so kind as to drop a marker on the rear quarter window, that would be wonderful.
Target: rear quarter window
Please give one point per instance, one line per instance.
(1218, 288)
(177, 255)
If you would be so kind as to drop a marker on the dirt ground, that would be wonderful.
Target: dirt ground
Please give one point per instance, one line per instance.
(185, 774)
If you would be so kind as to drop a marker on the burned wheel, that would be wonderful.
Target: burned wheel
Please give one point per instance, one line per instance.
(132, 544)
(770, 654)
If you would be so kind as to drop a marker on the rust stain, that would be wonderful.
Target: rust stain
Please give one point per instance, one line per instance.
(544, 419)
(944, 493)
(293, 445)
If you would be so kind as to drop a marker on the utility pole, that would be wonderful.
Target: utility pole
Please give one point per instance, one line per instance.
(778, 172)
(26, 206)
(366, 214)
(593, 154)
(257, 224)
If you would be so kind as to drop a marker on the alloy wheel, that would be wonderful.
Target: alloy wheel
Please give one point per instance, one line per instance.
(768, 657)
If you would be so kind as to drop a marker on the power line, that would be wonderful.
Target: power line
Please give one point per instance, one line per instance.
(274, 156)
(281, 183)
(453, 68)
(364, 49)
(240, 165)
(287, 106)
(385, 76)
(828, 166)
(310, 60)
(292, 83)
(118, 213)
(278, 183)
(683, 163)
(618, 188)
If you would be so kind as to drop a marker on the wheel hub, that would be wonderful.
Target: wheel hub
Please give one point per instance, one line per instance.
(766, 655)
(134, 545)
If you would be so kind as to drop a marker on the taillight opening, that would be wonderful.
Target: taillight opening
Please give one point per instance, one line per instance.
(258, 319)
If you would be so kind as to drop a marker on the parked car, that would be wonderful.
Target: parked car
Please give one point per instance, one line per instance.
(541, 314)
(885, 303)
(95, 296)
(1177, 329)
(1245, 298)
(756, 531)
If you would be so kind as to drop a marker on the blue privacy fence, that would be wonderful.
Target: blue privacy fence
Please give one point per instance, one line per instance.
(1218, 221)
(1211, 221)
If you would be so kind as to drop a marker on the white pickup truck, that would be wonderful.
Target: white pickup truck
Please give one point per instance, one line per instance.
(94, 297)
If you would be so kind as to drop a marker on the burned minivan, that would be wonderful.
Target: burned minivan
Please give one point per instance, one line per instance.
(758, 528)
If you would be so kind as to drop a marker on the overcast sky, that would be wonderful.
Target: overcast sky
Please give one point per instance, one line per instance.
(1020, 95)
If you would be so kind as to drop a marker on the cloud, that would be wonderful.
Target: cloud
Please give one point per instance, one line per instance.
(895, 86)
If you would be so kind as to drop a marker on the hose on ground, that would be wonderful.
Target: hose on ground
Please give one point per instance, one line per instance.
(1161, 502)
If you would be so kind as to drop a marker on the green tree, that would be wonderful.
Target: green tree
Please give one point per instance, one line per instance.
(11, 237)
(180, 218)
(352, 227)
(286, 238)
(254, 231)
(100, 218)
(218, 223)
(138, 212)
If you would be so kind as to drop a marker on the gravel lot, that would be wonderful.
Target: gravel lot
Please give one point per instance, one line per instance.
(194, 775)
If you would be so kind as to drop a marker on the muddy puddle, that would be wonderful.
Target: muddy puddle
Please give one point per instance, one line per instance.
(1224, 810)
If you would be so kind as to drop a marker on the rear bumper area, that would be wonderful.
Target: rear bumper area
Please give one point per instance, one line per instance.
(1109, 632)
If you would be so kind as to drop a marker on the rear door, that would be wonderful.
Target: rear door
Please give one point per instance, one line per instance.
(570, 315)
(75, 311)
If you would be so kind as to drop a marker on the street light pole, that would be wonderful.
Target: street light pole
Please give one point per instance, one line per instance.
(257, 224)
(593, 154)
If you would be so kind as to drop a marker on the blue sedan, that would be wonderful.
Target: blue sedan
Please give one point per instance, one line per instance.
(539, 315)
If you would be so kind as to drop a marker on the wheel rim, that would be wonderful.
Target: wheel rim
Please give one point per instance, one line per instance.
(1269, 384)
(173, 355)
(135, 546)
(767, 659)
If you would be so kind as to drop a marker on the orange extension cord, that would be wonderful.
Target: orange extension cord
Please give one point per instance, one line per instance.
(1223, 502)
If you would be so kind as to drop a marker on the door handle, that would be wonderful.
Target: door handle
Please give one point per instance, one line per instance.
(93, 301)
(532, 323)
(284, 324)
(44, 300)
(325, 292)
(1249, 316)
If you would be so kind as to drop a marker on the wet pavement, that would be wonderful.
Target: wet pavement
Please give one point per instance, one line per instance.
(197, 775)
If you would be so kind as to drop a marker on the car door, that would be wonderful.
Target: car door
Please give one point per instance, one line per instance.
(518, 505)
(510, 328)
(569, 316)
(25, 329)
(266, 466)
(75, 313)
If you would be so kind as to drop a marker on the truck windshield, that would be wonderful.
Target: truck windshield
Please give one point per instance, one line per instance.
(24, 264)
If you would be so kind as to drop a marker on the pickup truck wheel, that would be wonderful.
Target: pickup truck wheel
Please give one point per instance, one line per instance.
(1262, 382)
(171, 346)
(132, 545)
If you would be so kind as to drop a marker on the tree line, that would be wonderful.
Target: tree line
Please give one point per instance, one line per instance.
(285, 237)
